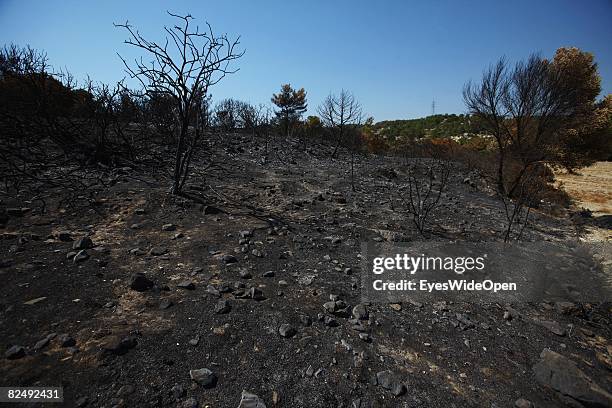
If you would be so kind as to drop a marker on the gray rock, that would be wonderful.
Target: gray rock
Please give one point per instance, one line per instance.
(64, 236)
(81, 256)
(204, 377)
(119, 346)
(222, 307)
(360, 312)
(563, 375)
(189, 285)
(65, 340)
(286, 330)
(553, 326)
(82, 243)
(190, 402)
(249, 400)
(139, 282)
(158, 251)
(15, 352)
(226, 258)
(268, 274)
(168, 227)
(257, 253)
(178, 391)
(165, 304)
(126, 390)
(523, 403)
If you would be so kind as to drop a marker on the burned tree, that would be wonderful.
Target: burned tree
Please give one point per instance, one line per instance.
(340, 112)
(422, 190)
(528, 109)
(183, 68)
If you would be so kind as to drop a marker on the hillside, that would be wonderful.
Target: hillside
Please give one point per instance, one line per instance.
(435, 126)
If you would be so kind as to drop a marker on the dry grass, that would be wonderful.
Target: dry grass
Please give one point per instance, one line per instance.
(591, 188)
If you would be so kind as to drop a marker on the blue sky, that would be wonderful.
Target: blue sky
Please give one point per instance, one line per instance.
(395, 56)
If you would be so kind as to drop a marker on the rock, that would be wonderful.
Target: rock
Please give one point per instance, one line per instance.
(195, 341)
(553, 326)
(120, 346)
(66, 340)
(395, 306)
(139, 282)
(158, 251)
(563, 375)
(309, 371)
(189, 285)
(64, 236)
(330, 321)
(165, 304)
(523, 403)
(82, 243)
(40, 344)
(257, 253)
(248, 400)
(204, 377)
(268, 274)
(191, 402)
(210, 210)
(360, 312)
(365, 337)
(330, 306)
(245, 234)
(244, 274)
(125, 390)
(226, 259)
(566, 308)
(255, 294)
(222, 307)
(178, 391)
(168, 227)
(388, 381)
(82, 402)
(81, 256)
(15, 352)
(286, 330)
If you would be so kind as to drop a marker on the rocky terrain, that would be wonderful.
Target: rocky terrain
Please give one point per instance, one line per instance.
(248, 294)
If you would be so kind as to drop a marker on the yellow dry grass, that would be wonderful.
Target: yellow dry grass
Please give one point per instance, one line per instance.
(591, 188)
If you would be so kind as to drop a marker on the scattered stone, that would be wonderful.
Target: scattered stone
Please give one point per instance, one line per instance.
(165, 304)
(257, 253)
(189, 285)
(388, 381)
(140, 283)
(191, 402)
(210, 210)
(331, 322)
(566, 308)
(82, 402)
(309, 371)
(15, 352)
(563, 375)
(64, 236)
(523, 403)
(81, 256)
(553, 326)
(255, 294)
(204, 377)
(82, 243)
(125, 390)
(365, 337)
(222, 307)
(360, 312)
(168, 227)
(66, 340)
(395, 306)
(34, 301)
(40, 344)
(245, 234)
(226, 258)
(194, 342)
(120, 346)
(178, 391)
(158, 251)
(286, 330)
(249, 400)
(178, 235)
(268, 274)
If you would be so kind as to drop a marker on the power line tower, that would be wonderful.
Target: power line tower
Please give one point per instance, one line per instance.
(433, 107)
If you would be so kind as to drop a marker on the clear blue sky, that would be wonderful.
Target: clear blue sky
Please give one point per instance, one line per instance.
(395, 56)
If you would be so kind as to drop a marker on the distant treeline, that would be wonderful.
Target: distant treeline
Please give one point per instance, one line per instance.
(434, 126)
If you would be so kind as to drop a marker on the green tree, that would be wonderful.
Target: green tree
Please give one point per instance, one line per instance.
(291, 105)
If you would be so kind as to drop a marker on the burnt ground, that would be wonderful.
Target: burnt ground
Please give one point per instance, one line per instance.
(297, 217)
